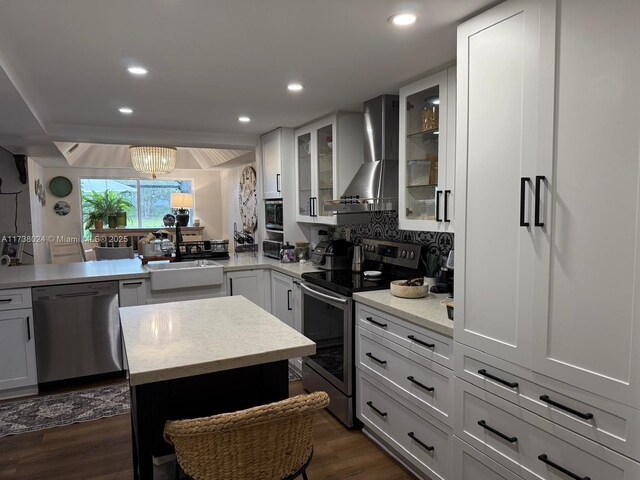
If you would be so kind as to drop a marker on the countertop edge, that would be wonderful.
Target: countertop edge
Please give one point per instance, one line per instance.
(407, 316)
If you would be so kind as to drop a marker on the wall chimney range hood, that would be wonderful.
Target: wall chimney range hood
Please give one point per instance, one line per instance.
(374, 187)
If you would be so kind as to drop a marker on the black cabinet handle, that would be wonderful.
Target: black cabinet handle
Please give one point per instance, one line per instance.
(289, 300)
(544, 459)
(28, 329)
(381, 325)
(413, 437)
(421, 342)
(413, 380)
(379, 412)
(484, 373)
(509, 439)
(132, 284)
(375, 359)
(231, 287)
(438, 193)
(278, 182)
(539, 180)
(523, 187)
(6, 300)
(446, 205)
(585, 416)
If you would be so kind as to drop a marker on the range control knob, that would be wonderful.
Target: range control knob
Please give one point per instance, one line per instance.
(403, 254)
(412, 255)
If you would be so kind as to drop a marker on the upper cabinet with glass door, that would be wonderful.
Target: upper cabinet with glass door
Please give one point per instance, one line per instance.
(427, 153)
(328, 153)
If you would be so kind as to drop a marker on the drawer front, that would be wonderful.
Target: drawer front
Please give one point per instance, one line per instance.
(15, 298)
(612, 424)
(470, 464)
(429, 344)
(422, 382)
(426, 445)
(530, 445)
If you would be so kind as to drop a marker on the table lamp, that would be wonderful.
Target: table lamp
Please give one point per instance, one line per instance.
(182, 201)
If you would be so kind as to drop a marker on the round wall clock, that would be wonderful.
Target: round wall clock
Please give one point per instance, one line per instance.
(248, 199)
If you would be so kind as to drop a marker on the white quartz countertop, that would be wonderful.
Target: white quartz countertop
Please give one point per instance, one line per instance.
(429, 312)
(181, 339)
(77, 272)
(247, 261)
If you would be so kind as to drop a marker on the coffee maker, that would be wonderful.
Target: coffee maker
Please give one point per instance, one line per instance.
(444, 278)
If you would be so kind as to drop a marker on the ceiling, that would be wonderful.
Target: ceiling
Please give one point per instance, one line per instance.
(63, 65)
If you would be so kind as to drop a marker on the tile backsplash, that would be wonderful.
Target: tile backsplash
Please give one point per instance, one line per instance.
(384, 225)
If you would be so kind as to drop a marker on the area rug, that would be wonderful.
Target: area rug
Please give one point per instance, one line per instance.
(49, 411)
(56, 410)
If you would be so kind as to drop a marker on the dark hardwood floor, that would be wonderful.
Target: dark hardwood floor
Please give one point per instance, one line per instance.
(102, 450)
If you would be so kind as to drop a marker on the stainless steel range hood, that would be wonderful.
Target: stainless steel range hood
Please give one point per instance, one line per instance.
(375, 185)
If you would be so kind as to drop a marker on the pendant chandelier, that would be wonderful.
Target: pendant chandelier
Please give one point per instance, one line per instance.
(153, 160)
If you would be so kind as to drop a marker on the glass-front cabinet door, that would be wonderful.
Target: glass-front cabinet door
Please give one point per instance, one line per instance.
(325, 170)
(303, 172)
(426, 165)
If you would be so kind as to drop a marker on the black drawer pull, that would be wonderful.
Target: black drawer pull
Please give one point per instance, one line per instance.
(413, 437)
(28, 329)
(413, 380)
(438, 219)
(381, 362)
(379, 412)
(381, 325)
(421, 342)
(543, 458)
(446, 205)
(539, 180)
(6, 300)
(509, 439)
(132, 284)
(523, 195)
(484, 373)
(585, 416)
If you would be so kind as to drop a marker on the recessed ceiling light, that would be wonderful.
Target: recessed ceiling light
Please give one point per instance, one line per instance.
(126, 110)
(294, 87)
(403, 19)
(137, 70)
(244, 119)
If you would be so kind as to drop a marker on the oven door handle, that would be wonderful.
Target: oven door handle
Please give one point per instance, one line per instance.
(323, 295)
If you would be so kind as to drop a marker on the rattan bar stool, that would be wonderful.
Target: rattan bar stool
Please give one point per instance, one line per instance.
(268, 442)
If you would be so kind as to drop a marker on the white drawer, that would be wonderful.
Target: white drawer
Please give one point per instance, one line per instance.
(422, 341)
(420, 381)
(427, 445)
(530, 445)
(615, 425)
(15, 298)
(470, 464)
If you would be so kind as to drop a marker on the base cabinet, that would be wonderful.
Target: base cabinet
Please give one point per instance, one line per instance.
(18, 375)
(132, 292)
(282, 297)
(470, 464)
(249, 284)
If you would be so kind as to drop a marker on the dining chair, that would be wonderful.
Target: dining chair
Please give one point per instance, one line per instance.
(113, 253)
(65, 252)
(88, 252)
(267, 442)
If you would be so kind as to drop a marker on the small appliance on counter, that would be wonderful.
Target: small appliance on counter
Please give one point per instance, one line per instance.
(288, 253)
(271, 248)
(356, 260)
(444, 278)
(331, 255)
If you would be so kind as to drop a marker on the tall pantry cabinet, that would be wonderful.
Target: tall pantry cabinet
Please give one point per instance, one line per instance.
(548, 204)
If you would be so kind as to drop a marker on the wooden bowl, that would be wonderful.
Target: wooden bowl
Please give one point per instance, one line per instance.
(402, 291)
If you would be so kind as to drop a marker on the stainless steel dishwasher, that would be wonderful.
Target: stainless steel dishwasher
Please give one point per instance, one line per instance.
(77, 329)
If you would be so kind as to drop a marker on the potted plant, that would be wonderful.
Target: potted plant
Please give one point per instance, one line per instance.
(106, 205)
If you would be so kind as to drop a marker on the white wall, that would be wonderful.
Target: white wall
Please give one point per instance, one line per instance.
(37, 212)
(207, 198)
(230, 183)
(8, 220)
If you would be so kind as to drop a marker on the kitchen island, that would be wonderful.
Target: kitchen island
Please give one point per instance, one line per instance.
(201, 357)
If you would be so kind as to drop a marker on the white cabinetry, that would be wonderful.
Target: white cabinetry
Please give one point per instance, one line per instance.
(249, 284)
(132, 292)
(17, 344)
(327, 155)
(530, 160)
(427, 153)
(272, 149)
(405, 394)
(282, 297)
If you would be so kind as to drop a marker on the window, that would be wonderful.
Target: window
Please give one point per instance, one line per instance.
(147, 201)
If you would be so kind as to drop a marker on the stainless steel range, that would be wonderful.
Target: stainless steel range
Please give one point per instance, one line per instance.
(328, 318)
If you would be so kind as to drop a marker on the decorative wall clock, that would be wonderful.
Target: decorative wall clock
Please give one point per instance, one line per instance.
(248, 199)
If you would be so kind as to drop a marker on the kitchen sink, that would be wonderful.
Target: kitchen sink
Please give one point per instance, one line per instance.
(172, 276)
